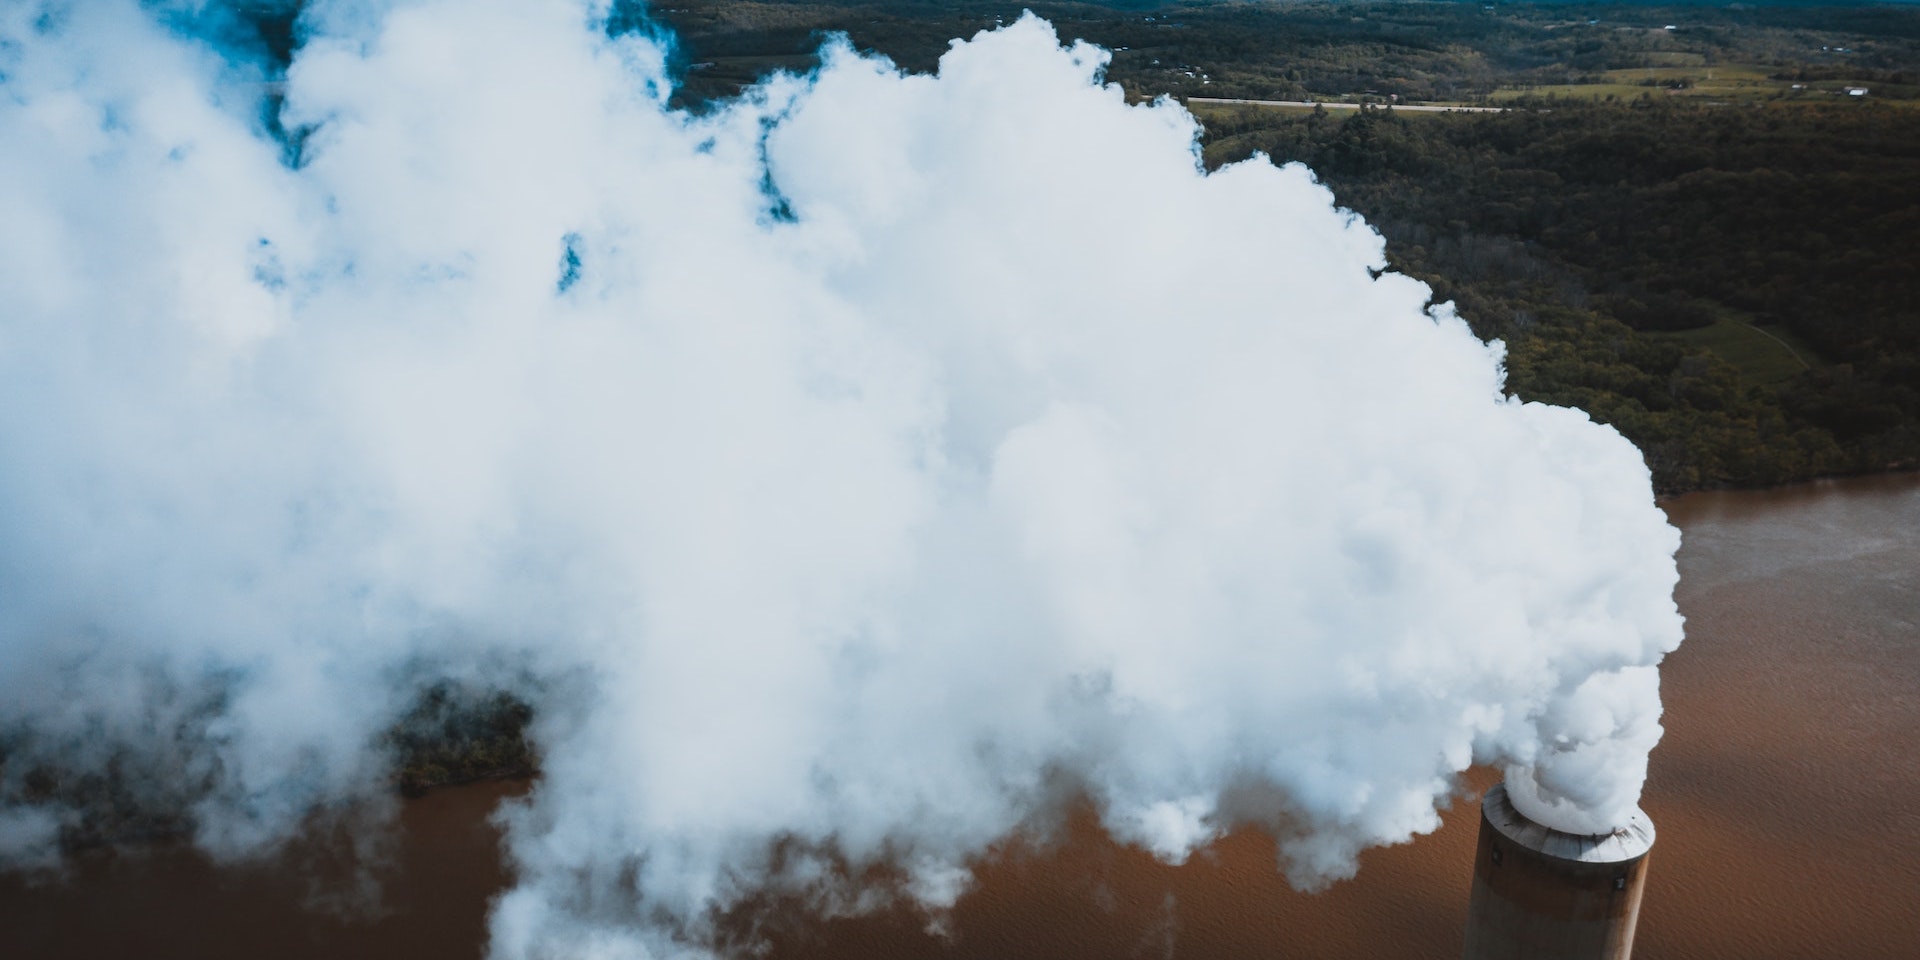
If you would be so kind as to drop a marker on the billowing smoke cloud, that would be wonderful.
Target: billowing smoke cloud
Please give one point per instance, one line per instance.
(844, 475)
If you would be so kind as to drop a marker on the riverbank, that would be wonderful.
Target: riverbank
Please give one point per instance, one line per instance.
(1897, 474)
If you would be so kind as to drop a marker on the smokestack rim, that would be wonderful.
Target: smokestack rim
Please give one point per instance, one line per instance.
(1628, 842)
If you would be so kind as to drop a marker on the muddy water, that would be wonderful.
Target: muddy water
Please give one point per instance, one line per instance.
(173, 904)
(1787, 795)
(1787, 790)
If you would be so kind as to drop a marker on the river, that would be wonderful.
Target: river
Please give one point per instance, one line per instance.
(1786, 793)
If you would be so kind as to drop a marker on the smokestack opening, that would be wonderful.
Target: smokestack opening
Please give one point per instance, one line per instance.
(1541, 892)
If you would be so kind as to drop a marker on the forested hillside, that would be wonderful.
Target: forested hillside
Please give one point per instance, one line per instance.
(1734, 288)
(1412, 51)
(1699, 224)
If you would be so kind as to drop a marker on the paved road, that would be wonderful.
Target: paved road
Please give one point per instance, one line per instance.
(1309, 104)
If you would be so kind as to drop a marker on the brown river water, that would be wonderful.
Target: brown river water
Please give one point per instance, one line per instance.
(1786, 794)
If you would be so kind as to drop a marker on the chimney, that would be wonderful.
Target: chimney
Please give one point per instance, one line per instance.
(1541, 894)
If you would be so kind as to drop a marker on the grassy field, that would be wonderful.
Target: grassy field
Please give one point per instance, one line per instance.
(1763, 354)
(1735, 83)
(1718, 83)
(1675, 58)
(1576, 91)
(1211, 112)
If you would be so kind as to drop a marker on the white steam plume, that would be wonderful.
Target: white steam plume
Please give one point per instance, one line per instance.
(847, 468)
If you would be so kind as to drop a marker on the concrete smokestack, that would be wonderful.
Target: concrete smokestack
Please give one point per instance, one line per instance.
(1541, 894)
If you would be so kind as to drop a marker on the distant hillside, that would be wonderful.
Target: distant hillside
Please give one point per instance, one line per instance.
(1733, 288)
(1703, 235)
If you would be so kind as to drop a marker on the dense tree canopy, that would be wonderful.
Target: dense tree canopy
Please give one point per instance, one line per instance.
(1624, 250)
(1694, 234)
